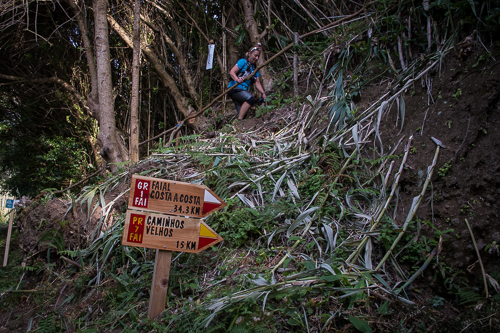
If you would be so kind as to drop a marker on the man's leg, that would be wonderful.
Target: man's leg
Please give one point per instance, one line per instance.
(237, 106)
(243, 111)
(246, 99)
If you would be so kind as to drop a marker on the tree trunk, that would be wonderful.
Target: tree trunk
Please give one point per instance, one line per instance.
(112, 147)
(233, 52)
(80, 14)
(92, 100)
(134, 122)
(252, 28)
(181, 102)
(174, 47)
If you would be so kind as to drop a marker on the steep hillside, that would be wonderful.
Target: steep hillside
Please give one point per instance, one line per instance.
(355, 225)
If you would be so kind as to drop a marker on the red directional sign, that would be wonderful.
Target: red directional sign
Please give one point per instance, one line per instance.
(164, 232)
(172, 197)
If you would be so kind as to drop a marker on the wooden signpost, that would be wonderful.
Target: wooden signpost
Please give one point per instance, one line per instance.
(181, 230)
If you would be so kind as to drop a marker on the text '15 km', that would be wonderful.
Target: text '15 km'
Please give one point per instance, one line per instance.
(173, 233)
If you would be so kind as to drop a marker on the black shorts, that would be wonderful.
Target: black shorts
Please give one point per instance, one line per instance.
(240, 96)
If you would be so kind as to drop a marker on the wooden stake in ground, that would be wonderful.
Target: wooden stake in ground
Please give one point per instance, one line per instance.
(7, 243)
(159, 287)
(295, 66)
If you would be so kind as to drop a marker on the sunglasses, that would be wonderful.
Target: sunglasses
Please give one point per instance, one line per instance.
(253, 49)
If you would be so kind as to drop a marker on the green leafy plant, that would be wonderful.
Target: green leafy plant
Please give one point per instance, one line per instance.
(493, 247)
(443, 170)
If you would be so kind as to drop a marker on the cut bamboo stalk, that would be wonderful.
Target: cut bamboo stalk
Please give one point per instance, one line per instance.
(479, 258)
(400, 50)
(346, 164)
(414, 207)
(354, 255)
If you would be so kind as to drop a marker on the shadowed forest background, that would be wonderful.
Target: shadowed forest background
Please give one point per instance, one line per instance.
(362, 194)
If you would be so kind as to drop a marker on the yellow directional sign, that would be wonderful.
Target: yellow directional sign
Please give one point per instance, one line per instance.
(172, 197)
(171, 233)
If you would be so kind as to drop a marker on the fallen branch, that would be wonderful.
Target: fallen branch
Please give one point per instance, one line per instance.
(414, 207)
(81, 181)
(68, 87)
(354, 255)
(69, 261)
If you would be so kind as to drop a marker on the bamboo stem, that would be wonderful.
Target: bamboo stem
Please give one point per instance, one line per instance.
(295, 66)
(401, 57)
(416, 203)
(419, 271)
(346, 164)
(478, 257)
(354, 255)
(32, 291)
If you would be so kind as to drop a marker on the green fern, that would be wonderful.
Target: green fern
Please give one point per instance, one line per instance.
(54, 238)
(240, 328)
(27, 268)
(221, 187)
(467, 297)
(220, 327)
(48, 325)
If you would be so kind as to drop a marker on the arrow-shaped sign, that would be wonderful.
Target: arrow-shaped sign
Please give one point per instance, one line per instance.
(164, 232)
(172, 197)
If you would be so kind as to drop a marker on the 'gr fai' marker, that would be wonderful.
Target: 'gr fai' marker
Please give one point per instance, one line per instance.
(172, 197)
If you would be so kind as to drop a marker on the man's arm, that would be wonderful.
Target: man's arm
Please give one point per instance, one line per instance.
(260, 88)
(234, 74)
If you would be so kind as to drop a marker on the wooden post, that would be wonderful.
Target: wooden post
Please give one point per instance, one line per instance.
(149, 109)
(159, 286)
(164, 117)
(224, 61)
(7, 243)
(295, 65)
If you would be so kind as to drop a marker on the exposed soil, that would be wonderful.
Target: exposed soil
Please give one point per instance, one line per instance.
(464, 116)
(39, 217)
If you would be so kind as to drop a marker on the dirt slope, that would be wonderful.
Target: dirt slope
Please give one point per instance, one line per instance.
(462, 110)
(464, 114)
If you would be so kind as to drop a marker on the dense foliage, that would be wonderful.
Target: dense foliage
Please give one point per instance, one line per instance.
(41, 148)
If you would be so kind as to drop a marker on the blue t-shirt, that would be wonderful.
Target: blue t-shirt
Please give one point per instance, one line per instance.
(245, 70)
